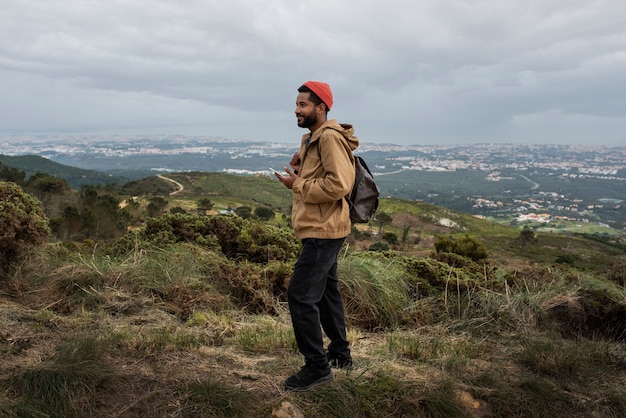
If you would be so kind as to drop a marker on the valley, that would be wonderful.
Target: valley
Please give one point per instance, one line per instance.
(546, 186)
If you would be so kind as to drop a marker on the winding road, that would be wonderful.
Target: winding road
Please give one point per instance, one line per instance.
(180, 186)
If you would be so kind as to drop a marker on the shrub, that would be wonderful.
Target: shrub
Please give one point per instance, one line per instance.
(429, 276)
(390, 237)
(236, 237)
(525, 238)
(568, 259)
(617, 272)
(22, 222)
(244, 212)
(466, 246)
(156, 206)
(263, 213)
(380, 246)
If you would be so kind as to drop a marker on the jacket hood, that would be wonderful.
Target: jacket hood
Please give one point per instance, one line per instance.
(345, 129)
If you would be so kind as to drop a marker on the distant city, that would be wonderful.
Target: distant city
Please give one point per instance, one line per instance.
(515, 182)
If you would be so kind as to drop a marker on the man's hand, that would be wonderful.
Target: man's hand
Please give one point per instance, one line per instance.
(295, 162)
(287, 180)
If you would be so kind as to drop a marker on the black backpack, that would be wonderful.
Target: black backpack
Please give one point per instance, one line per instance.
(363, 199)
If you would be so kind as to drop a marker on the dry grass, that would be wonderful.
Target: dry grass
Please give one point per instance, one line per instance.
(160, 333)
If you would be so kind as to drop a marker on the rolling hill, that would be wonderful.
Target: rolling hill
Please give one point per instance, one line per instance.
(186, 316)
(75, 177)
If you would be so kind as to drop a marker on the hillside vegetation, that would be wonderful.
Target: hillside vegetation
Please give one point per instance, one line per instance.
(75, 177)
(182, 312)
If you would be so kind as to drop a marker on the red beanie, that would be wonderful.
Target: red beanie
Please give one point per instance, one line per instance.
(322, 90)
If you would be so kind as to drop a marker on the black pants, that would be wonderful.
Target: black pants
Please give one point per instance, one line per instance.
(314, 301)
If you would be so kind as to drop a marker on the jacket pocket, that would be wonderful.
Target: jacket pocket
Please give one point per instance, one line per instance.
(325, 211)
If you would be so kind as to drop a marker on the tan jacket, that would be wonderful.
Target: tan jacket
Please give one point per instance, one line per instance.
(319, 208)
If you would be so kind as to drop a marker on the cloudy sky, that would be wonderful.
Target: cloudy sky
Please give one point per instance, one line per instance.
(402, 71)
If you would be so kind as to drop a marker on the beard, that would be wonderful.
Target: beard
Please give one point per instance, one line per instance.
(308, 120)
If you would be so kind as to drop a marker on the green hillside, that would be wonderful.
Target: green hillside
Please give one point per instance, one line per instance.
(421, 222)
(255, 190)
(185, 314)
(75, 177)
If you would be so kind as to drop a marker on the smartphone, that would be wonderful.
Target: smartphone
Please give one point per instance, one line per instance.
(278, 172)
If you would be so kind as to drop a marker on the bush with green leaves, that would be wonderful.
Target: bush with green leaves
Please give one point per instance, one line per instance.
(390, 238)
(465, 246)
(379, 246)
(263, 213)
(22, 222)
(237, 238)
(433, 274)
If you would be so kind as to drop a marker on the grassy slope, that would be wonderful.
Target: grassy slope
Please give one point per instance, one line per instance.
(162, 332)
(423, 219)
(75, 177)
(225, 188)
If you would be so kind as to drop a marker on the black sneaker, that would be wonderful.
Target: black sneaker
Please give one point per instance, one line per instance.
(344, 363)
(308, 377)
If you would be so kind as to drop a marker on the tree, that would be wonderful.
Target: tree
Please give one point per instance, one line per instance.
(45, 185)
(156, 206)
(405, 232)
(102, 213)
(263, 213)
(12, 174)
(525, 238)
(70, 223)
(109, 218)
(244, 212)
(204, 205)
(22, 223)
(383, 219)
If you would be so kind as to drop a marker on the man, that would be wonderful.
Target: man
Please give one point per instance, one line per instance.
(323, 174)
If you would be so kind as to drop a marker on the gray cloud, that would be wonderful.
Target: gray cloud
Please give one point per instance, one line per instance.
(402, 71)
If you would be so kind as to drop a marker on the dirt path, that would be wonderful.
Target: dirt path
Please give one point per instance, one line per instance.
(180, 186)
